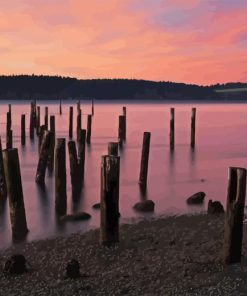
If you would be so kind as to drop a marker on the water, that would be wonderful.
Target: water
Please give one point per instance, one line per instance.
(221, 142)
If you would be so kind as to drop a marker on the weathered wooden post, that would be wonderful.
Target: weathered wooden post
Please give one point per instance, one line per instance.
(3, 186)
(124, 110)
(74, 169)
(113, 148)
(71, 122)
(81, 155)
(9, 139)
(60, 178)
(172, 136)
(234, 215)
(78, 106)
(60, 107)
(46, 118)
(78, 128)
(52, 145)
(121, 130)
(43, 157)
(9, 121)
(89, 128)
(15, 193)
(41, 134)
(144, 159)
(23, 129)
(109, 203)
(32, 122)
(38, 120)
(193, 128)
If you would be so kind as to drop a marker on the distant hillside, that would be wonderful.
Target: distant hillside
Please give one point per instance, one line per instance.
(54, 87)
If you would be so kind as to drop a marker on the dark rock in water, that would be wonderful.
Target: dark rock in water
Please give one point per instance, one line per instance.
(145, 206)
(76, 217)
(196, 198)
(96, 206)
(16, 264)
(215, 207)
(73, 269)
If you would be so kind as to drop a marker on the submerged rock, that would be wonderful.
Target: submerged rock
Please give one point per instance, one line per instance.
(76, 217)
(196, 198)
(73, 269)
(215, 207)
(145, 206)
(16, 264)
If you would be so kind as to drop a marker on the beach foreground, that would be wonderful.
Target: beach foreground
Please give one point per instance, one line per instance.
(166, 256)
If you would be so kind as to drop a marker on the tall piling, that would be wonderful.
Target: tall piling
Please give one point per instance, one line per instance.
(38, 120)
(52, 145)
(109, 202)
(46, 118)
(172, 128)
(232, 249)
(41, 134)
(9, 139)
(78, 127)
(193, 128)
(3, 186)
(81, 156)
(32, 122)
(15, 193)
(89, 128)
(74, 169)
(60, 107)
(144, 159)
(121, 124)
(23, 129)
(70, 122)
(60, 177)
(113, 148)
(43, 157)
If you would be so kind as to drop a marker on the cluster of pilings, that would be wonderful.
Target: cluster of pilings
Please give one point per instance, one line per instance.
(52, 155)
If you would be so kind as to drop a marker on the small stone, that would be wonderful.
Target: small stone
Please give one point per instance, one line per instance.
(16, 264)
(76, 217)
(73, 269)
(144, 206)
(196, 198)
(215, 207)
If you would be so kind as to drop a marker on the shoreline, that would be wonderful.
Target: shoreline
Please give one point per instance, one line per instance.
(174, 255)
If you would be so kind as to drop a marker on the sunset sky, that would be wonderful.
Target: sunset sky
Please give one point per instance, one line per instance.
(192, 41)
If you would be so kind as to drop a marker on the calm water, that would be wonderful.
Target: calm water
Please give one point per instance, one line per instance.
(221, 142)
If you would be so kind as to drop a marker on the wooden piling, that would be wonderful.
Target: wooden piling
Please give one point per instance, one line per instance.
(60, 107)
(78, 106)
(121, 124)
(41, 134)
(46, 118)
(172, 134)
(60, 178)
(9, 123)
(71, 122)
(52, 145)
(144, 159)
(124, 110)
(32, 123)
(9, 139)
(232, 249)
(109, 203)
(15, 193)
(78, 128)
(113, 148)
(74, 169)
(43, 157)
(23, 129)
(193, 128)
(38, 120)
(81, 156)
(3, 186)
(89, 128)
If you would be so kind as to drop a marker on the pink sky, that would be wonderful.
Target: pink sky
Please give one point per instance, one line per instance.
(192, 41)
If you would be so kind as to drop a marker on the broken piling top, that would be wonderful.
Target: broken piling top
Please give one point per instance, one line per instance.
(233, 236)
(113, 148)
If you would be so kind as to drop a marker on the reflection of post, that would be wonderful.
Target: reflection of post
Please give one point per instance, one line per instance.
(3, 188)
(144, 159)
(172, 136)
(193, 128)
(113, 148)
(234, 215)
(60, 178)
(89, 128)
(15, 193)
(71, 122)
(23, 130)
(109, 207)
(74, 169)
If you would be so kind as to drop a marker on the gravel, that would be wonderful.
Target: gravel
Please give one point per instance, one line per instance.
(177, 255)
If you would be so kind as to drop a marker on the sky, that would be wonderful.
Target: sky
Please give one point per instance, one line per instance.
(191, 41)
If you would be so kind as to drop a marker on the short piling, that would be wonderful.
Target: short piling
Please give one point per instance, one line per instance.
(109, 204)
(60, 107)
(193, 128)
(60, 178)
(113, 148)
(89, 128)
(232, 249)
(38, 120)
(172, 133)
(43, 157)
(46, 118)
(23, 129)
(15, 194)
(121, 124)
(144, 159)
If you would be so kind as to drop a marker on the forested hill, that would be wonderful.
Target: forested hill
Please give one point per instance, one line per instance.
(55, 87)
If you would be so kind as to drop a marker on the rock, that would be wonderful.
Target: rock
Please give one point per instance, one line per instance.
(145, 206)
(76, 217)
(73, 269)
(215, 207)
(16, 264)
(196, 198)
(96, 206)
